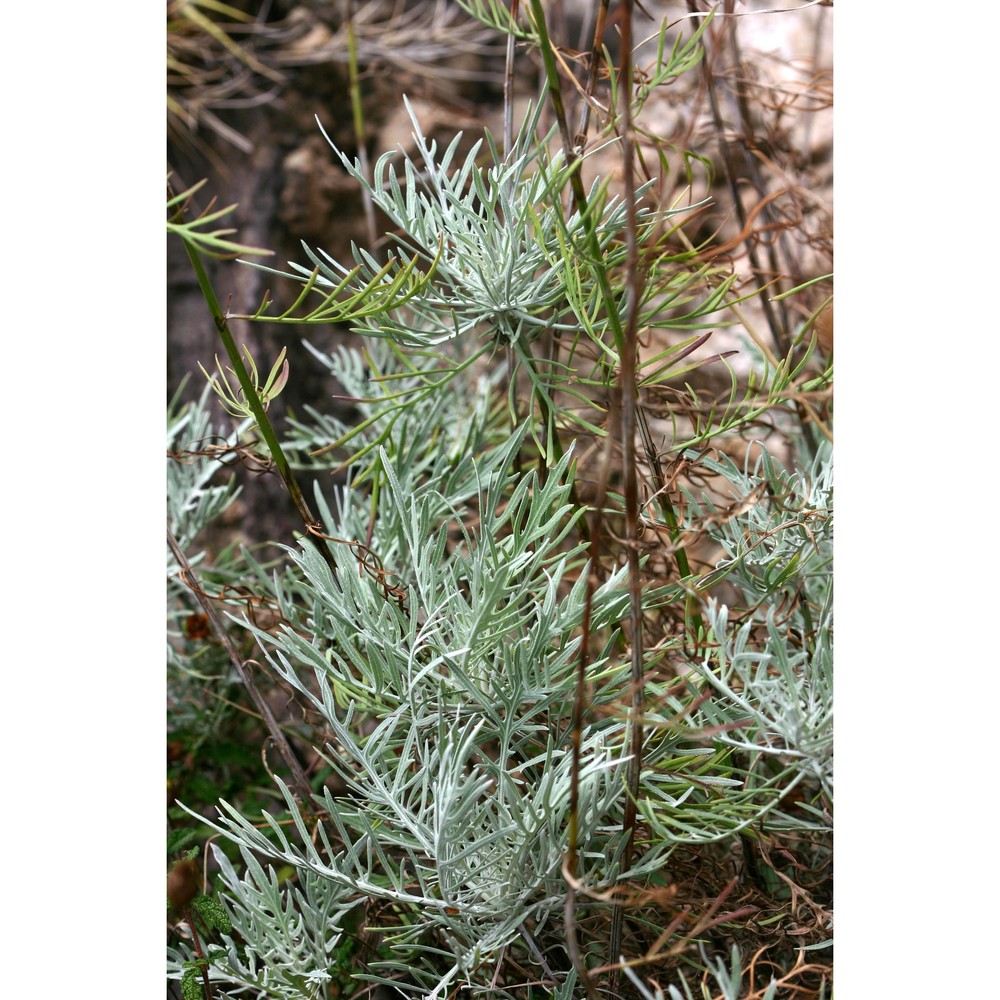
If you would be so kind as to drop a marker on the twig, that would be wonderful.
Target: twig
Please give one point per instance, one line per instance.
(778, 332)
(202, 963)
(508, 87)
(189, 578)
(579, 700)
(627, 401)
(596, 54)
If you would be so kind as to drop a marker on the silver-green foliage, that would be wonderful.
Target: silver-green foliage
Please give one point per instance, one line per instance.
(485, 255)
(773, 675)
(755, 719)
(440, 648)
(286, 935)
(446, 687)
(193, 499)
(730, 981)
(443, 671)
(502, 251)
(460, 783)
(431, 443)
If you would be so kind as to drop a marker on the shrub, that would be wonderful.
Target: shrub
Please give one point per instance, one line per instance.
(558, 677)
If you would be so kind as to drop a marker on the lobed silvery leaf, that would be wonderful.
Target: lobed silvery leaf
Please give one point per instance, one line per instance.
(286, 936)
(730, 981)
(496, 243)
(782, 538)
(197, 495)
(781, 697)
(458, 797)
(193, 500)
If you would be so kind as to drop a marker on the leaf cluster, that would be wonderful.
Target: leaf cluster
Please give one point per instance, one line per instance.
(446, 700)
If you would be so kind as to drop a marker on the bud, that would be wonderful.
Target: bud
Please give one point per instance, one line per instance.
(182, 885)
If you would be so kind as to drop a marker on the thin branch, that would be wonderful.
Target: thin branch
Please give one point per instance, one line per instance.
(627, 400)
(596, 55)
(187, 575)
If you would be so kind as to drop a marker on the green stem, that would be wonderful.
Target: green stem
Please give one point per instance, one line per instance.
(249, 389)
